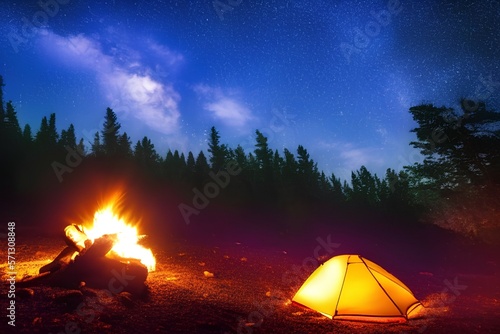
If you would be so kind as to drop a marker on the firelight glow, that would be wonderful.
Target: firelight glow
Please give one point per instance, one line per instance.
(106, 221)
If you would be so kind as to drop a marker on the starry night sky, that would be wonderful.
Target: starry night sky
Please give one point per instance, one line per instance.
(337, 77)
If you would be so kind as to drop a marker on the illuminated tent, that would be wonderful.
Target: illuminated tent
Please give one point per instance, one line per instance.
(351, 287)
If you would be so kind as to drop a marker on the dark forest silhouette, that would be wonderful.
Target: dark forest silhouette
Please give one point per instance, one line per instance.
(456, 185)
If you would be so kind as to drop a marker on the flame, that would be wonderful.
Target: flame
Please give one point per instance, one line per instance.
(106, 221)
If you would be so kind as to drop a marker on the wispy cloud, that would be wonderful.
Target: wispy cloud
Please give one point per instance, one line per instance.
(225, 106)
(352, 157)
(125, 80)
(170, 57)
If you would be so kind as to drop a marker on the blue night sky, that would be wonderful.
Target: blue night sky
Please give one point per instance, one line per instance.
(337, 77)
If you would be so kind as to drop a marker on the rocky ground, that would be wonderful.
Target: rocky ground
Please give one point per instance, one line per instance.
(243, 283)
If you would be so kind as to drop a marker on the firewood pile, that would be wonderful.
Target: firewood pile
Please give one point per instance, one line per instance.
(86, 263)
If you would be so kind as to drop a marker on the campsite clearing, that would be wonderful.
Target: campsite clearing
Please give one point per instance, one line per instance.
(248, 292)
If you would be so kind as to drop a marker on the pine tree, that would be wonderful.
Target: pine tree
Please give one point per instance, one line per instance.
(110, 133)
(218, 152)
(11, 124)
(459, 179)
(47, 137)
(202, 169)
(307, 173)
(240, 157)
(145, 153)
(459, 147)
(97, 149)
(263, 153)
(125, 146)
(2, 110)
(190, 163)
(80, 148)
(364, 188)
(68, 137)
(27, 135)
(53, 135)
(338, 195)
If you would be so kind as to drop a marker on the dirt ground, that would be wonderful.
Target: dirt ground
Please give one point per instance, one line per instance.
(241, 283)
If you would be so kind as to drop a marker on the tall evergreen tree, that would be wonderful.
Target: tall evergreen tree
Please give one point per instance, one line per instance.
(96, 146)
(263, 153)
(27, 135)
(46, 138)
(218, 152)
(264, 173)
(80, 148)
(202, 169)
(240, 157)
(338, 196)
(459, 179)
(190, 163)
(2, 110)
(125, 146)
(68, 137)
(307, 171)
(364, 188)
(53, 135)
(145, 154)
(110, 133)
(290, 167)
(11, 123)
(460, 147)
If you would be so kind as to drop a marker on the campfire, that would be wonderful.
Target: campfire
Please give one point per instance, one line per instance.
(98, 254)
(107, 222)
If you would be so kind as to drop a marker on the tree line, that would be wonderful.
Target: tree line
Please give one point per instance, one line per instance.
(457, 182)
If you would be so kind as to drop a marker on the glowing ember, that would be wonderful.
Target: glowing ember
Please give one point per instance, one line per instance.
(126, 245)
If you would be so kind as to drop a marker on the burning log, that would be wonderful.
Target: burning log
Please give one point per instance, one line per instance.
(91, 266)
(76, 240)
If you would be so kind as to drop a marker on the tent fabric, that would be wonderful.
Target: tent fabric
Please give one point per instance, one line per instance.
(351, 287)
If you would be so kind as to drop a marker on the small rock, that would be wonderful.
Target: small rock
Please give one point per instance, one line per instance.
(126, 298)
(89, 292)
(208, 274)
(67, 294)
(25, 293)
(72, 298)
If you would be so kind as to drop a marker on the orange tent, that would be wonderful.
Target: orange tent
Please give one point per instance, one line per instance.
(351, 287)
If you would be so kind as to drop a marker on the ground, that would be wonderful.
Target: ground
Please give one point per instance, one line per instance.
(243, 282)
